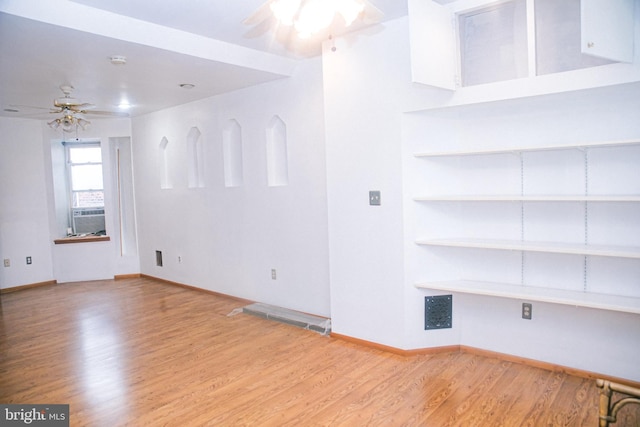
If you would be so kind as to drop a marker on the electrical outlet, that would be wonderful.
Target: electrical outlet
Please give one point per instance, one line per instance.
(7, 262)
(179, 259)
(527, 310)
(374, 198)
(28, 260)
(273, 274)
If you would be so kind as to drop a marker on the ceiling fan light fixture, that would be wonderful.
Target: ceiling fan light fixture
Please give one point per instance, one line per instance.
(84, 124)
(314, 16)
(311, 16)
(54, 124)
(69, 123)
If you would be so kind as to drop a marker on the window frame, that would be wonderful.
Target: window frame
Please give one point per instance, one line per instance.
(68, 146)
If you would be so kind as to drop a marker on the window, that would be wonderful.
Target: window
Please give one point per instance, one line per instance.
(85, 172)
(86, 189)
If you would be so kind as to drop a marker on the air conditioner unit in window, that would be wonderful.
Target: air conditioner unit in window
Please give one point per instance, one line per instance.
(86, 221)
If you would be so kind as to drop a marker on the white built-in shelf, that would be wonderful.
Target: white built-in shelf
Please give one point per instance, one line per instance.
(548, 247)
(530, 293)
(498, 198)
(516, 150)
(535, 293)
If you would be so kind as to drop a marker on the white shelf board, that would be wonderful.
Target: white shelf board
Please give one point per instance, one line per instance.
(530, 293)
(517, 150)
(548, 247)
(499, 198)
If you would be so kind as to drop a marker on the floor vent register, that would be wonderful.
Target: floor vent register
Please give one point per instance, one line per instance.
(306, 321)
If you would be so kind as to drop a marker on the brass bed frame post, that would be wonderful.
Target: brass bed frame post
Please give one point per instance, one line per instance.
(608, 413)
(605, 402)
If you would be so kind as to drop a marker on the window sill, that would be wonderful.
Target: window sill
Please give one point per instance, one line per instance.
(81, 239)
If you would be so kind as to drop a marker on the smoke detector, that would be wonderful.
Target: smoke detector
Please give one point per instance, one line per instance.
(118, 60)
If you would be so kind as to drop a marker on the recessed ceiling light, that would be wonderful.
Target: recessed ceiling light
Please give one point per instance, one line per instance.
(187, 86)
(118, 60)
(124, 105)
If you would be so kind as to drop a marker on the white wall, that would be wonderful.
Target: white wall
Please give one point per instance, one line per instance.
(228, 239)
(560, 334)
(374, 262)
(24, 220)
(96, 260)
(334, 254)
(364, 82)
(28, 218)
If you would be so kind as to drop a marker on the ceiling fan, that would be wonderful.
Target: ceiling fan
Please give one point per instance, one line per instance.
(301, 24)
(72, 111)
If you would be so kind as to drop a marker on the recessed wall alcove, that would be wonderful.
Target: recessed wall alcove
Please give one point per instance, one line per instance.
(277, 163)
(232, 153)
(195, 159)
(163, 161)
(122, 168)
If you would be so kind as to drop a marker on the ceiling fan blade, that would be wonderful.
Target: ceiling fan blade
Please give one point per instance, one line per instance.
(261, 14)
(372, 13)
(260, 28)
(66, 102)
(43, 115)
(104, 113)
(80, 108)
(34, 108)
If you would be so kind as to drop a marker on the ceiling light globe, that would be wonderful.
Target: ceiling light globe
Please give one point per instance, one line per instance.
(285, 11)
(84, 124)
(67, 120)
(314, 16)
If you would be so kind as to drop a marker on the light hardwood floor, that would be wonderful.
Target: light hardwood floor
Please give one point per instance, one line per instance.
(140, 352)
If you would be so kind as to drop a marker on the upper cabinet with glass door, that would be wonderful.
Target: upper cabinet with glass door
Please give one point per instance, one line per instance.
(524, 47)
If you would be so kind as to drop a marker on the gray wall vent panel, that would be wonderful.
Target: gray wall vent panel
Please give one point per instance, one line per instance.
(438, 312)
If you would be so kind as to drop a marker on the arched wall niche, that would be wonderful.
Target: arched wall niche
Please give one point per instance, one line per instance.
(195, 158)
(277, 161)
(163, 161)
(232, 153)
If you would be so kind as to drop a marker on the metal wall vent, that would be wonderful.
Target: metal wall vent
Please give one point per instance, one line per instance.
(438, 312)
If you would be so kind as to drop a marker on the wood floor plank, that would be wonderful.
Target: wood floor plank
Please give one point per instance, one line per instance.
(141, 352)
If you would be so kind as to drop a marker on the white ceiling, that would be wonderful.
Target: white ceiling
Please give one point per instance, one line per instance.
(44, 44)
